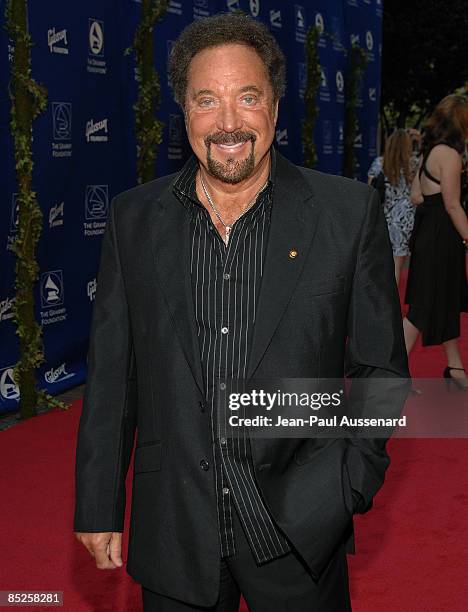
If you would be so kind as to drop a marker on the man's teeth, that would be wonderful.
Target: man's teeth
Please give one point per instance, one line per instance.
(231, 146)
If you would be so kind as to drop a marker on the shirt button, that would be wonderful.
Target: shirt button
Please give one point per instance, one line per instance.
(226, 276)
(225, 490)
(204, 465)
(223, 441)
(224, 330)
(222, 386)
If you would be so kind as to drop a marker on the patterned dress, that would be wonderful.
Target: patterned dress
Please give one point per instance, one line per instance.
(399, 212)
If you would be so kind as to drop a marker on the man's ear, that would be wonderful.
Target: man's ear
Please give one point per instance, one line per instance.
(275, 111)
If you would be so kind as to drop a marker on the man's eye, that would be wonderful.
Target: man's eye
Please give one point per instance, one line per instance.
(206, 102)
(249, 100)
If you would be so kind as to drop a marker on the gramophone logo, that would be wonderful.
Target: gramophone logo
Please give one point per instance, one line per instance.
(299, 15)
(9, 390)
(254, 7)
(339, 81)
(340, 84)
(319, 23)
(52, 289)
(300, 21)
(62, 120)
(324, 92)
(370, 45)
(324, 77)
(97, 202)
(96, 37)
(340, 139)
(358, 139)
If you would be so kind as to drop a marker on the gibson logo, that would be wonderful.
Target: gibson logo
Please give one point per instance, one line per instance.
(6, 309)
(54, 213)
(92, 286)
(54, 37)
(53, 375)
(92, 127)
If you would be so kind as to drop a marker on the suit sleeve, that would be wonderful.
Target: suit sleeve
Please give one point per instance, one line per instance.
(375, 351)
(107, 425)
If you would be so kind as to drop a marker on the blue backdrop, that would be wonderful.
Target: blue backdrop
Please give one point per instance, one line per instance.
(84, 144)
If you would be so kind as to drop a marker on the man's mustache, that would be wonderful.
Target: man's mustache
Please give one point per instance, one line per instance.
(232, 138)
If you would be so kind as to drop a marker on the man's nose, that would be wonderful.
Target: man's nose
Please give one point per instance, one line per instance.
(228, 119)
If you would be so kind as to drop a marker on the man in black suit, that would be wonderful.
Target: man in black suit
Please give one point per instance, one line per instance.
(245, 266)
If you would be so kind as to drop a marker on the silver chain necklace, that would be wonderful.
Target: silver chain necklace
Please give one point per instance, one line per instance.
(227, 227)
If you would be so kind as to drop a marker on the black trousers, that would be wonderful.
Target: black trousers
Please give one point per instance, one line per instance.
(281, 585)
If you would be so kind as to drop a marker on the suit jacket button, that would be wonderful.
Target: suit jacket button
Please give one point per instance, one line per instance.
(202, 406)
(204, 465)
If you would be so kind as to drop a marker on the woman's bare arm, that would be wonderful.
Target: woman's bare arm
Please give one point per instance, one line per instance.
(450, 173)
(416, 193)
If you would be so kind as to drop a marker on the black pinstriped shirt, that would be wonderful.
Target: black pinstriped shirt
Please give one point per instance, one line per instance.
(225, 283)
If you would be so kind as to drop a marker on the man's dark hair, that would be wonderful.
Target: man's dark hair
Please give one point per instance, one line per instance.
(225, 29)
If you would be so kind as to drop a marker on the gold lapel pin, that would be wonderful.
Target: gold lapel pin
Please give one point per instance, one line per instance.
(292, 254)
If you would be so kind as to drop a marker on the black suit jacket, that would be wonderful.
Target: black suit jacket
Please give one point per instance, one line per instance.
(335, 303)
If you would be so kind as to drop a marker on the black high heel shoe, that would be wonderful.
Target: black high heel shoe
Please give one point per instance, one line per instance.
(461, 383)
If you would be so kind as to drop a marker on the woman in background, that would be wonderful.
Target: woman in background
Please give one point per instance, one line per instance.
(396, 169)
(437, 289)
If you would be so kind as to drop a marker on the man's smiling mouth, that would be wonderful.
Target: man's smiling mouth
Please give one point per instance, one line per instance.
(231, 146)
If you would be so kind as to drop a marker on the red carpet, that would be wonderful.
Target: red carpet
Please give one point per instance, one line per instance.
(412, 547)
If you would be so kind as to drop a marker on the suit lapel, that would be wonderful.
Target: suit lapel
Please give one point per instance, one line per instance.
(292, 228)
(171, 246)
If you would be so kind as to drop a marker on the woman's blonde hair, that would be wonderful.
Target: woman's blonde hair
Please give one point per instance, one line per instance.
(397, 157)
